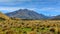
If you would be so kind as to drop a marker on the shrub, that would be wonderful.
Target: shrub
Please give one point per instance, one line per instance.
(32, 29)
(24, 32)
(2, 19)
(10, 32)
(52, 30)
(42, 28)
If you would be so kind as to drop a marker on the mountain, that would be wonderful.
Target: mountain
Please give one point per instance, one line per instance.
(56, 17)
(3, 16)
(26, 14)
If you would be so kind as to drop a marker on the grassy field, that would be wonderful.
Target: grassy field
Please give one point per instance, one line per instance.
(16, 26)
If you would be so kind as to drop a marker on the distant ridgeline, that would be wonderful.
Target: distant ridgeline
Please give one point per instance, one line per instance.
(56, 17)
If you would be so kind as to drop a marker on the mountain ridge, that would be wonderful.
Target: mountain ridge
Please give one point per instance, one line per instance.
(26, 14)
(56, 17)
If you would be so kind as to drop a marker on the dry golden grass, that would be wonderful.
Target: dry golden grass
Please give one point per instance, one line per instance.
(18, 26)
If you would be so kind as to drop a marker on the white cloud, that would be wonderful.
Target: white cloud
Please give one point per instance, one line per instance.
(47, 8)
(9, 9)
(50, 9)
(12, 2)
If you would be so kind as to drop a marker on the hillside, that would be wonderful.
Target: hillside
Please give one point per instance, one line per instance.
(3, 16)
(56, 17)
(26, 14)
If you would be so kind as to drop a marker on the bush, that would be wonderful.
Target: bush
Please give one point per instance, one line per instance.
(52, 30)
(2, 19)
(24, 32)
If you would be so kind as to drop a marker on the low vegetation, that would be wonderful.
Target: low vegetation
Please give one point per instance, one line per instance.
(29, 26)
(24, 26)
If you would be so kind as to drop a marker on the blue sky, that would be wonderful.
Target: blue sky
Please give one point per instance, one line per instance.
(46, 7)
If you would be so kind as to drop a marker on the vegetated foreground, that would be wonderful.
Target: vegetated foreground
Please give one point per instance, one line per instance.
(16, 26)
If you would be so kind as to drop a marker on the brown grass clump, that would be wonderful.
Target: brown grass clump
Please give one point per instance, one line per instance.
(10, 32)
(52, 29)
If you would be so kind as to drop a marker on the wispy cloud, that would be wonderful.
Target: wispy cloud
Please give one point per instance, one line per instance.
(9, 9)
(50, 9)
(12, 2)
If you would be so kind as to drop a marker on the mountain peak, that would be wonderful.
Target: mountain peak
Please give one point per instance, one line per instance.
(24, 10)
(26, 14)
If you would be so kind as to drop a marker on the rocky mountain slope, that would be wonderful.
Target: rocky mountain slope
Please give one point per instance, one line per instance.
(26, 14)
